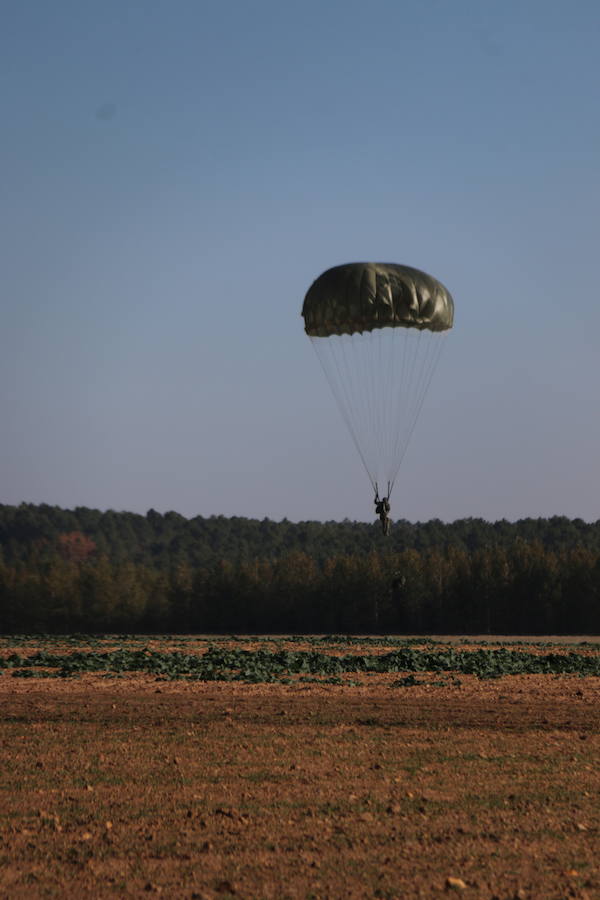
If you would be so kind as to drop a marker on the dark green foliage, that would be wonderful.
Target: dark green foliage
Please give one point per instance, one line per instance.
(85, 570)
(165, 541)
(220, 663)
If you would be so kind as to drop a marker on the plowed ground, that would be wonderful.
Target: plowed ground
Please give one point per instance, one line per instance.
(483, 789)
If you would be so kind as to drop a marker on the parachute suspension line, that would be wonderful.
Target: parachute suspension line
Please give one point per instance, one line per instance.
(403, 346)
(393, 385)
(387, 495)
(411, 398)
(400, 348)
(379, 380)
(386, 381)
(429, 362)
(413, 340)
(373, 388)
(358, 372)
(351, 384)
(384, 370)
(331, 363)
(387, 425)
(410, 356)
(437, 345)
(429, 366)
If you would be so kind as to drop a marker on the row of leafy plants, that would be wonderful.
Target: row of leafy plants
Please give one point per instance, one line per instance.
(226, 664)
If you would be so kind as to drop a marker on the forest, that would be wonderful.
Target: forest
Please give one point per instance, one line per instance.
(84, 570)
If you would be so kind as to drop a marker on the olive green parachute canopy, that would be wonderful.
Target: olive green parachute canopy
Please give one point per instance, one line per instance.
(359, 297)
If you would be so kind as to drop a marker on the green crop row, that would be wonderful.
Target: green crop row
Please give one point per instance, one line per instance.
(223, 664)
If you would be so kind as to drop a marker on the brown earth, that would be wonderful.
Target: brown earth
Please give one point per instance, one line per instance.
(484, 789)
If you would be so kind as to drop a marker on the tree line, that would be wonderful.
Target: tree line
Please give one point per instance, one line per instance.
(86, 570)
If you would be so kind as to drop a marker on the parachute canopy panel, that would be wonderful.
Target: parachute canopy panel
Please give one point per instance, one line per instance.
(358, 297)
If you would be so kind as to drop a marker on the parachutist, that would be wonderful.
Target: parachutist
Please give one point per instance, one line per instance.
(382, 508)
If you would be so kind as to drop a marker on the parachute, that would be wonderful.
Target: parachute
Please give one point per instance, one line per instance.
(378, 330)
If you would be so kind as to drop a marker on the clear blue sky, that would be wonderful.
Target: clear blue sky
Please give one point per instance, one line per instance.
(174, 175)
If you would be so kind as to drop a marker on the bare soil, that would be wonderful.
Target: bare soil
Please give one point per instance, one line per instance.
(129, 787)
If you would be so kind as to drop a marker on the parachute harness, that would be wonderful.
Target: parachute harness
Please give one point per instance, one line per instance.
(382, 508)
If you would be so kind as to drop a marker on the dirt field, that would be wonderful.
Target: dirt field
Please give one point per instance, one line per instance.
(133, 787)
